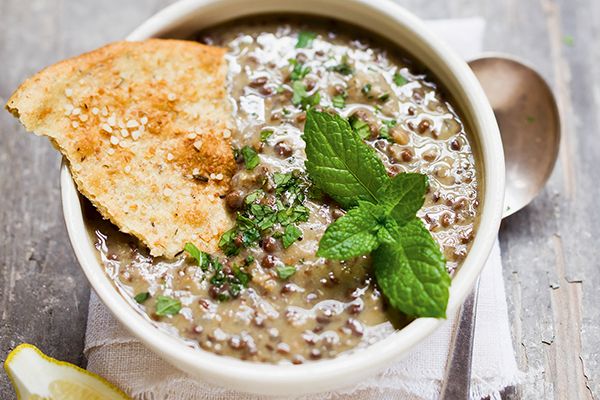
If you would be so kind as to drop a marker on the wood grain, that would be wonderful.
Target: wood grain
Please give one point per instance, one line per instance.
(550, 249)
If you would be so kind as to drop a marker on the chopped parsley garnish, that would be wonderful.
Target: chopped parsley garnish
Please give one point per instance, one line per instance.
(344, 68)
(291, 234)
(250, 157)
(236, 280)
(140, 297)
(167, 306)
(384, 97)
(384, 131)
(299, 71)
(339, 101)
(258, 219)
(530, 119)
(264, 135)
(366, 89)
(380, 219)
(399, 80)
(300, 98)
(305, 39)
(285, 271)
(362, 129)
(200, 256)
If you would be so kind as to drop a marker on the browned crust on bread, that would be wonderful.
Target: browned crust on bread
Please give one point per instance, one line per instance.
(142, 179)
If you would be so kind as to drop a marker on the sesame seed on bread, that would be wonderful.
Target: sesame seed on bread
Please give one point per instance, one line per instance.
(145, 127)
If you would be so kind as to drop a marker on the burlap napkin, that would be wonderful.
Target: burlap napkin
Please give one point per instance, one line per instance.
(121, 359)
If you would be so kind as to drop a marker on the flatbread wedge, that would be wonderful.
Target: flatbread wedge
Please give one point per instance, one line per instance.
(146, 129)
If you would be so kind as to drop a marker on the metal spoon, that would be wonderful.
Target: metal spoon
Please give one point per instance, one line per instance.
(529, 124)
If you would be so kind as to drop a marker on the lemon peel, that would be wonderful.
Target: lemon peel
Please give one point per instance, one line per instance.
(36, 376)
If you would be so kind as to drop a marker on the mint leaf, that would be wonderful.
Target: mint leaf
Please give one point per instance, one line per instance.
(339, 162)
(291, 234)
(167, 306)
(354, 234)
(305, 39)
(250, 157)
(412, 272)
(285, 271)
(402, 196)
(140, 297)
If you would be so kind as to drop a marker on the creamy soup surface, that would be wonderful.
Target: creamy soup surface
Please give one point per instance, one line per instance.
(269, 303)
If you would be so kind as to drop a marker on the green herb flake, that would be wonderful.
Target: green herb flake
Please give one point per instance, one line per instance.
(362, 129)
(250, 157)
(279, 89)
(285, 271)
(281, 179)
(301, 98)
(241, 277)
(384, 133)
(140, 297)
(339, 101)
(384, 97)
(305, 39)
(366, 89)
(167, 306)
(399, 80)
(291, 234)
(391, 123)
(530, 119)
(344, 68)
(569, 40)
(299, 71)
(200, 256)
(264, 135)
(223, 296)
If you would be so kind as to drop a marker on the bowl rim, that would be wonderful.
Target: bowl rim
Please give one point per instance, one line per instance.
(348, 368)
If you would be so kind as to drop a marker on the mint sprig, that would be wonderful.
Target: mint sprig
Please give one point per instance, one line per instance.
(380, 219)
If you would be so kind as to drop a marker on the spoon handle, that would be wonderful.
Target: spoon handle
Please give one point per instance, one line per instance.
(458, 371)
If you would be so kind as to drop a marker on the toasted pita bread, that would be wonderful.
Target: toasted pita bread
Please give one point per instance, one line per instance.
(144, 126)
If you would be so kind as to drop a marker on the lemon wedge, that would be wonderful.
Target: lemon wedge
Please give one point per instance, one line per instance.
(39, 377)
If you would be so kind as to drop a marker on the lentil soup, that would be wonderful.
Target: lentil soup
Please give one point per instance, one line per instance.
(266, 297)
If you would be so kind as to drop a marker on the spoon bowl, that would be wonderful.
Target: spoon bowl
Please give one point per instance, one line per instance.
(529, 124)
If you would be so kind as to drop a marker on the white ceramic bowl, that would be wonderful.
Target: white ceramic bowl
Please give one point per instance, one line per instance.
(399, 26)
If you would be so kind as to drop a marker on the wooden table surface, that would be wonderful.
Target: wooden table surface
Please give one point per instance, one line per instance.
(550, 249)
